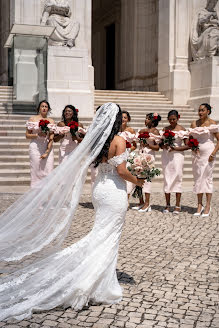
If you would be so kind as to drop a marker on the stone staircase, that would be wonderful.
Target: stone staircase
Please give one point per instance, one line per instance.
(14, 159)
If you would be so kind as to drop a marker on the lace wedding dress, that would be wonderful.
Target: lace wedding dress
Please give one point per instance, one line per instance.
(84, 271)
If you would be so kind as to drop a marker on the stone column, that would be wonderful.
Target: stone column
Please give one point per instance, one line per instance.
(138, 51)
(4, 31)
(173, 39)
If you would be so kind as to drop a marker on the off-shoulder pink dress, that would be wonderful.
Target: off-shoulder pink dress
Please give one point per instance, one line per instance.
(39, 168)
(172, 164)
(202, 168)
(67, 145)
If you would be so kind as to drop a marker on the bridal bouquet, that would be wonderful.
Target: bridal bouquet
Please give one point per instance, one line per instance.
(143, 137)
(193, 144)
(43, 124)
(142, 166)
(168, 138)
(73, 125)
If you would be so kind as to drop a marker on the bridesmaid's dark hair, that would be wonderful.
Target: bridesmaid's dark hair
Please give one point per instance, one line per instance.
(173, 112)
(74, 115)
(154, 121)
(115, 130)
(46, 102)
(207, 106)
(127, 113)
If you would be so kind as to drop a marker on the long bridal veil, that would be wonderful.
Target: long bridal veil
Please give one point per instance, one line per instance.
(38, 222)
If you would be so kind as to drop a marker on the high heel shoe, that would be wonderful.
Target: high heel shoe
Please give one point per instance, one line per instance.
(137, 207)
(207, 214)
(199, 213)
(177, 212)
(167, 210)
(147, 209)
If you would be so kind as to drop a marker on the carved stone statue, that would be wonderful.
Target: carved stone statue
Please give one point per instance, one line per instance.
(205, 32)
(58, 13)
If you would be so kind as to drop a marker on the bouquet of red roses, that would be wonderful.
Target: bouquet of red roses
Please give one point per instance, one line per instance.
(168, 138)
(73, 127)
(193, 144)
(128, 144)
(143, 137)
(43, 124)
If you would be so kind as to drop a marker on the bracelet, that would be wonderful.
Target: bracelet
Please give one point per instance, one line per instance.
(212, 155)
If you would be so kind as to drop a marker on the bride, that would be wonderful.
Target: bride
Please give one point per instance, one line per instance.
(45, 276)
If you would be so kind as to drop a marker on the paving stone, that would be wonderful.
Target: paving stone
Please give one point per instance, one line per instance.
(166, 266)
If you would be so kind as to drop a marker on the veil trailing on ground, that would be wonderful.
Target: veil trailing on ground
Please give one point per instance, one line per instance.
(38, 222)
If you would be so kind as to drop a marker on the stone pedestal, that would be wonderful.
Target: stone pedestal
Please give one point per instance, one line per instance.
(205, 84)
(70, 80)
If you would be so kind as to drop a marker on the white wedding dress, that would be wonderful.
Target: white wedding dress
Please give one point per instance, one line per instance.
(84, 271)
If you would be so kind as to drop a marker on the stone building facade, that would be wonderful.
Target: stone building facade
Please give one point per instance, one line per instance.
(140, 45)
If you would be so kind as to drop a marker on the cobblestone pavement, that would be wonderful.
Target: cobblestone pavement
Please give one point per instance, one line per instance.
(167, 266)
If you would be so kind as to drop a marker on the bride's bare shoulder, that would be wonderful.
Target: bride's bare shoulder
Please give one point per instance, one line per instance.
(119, 139)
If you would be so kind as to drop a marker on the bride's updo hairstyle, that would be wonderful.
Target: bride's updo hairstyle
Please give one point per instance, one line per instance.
(74, 116)
(115, 130)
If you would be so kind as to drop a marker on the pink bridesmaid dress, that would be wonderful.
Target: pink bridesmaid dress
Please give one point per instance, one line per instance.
(39, 168)
(202, 168)
(67, 145)
(147, 185)
(172, 165)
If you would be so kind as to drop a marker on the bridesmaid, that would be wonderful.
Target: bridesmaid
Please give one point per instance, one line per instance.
(173, 160)
(151, 122)
(68, 142)
(204, 130)
(126, 119)
(40, 149)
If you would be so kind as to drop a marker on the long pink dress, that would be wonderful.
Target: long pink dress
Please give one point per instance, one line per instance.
(39, 168)
(172, 164)
(147, 185)
(202, 168)
(67, 145)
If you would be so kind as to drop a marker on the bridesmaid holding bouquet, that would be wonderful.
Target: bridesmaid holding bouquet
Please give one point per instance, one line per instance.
(149, 146)
(69, 138)
(173, 159)
(126, 119)
(203, 161)
(41, 142)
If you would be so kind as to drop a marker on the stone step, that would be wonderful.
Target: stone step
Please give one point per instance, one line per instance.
(13, 164)
(121, 92)
(129, 101)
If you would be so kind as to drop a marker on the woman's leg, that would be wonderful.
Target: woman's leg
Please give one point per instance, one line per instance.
(208, 203)
(147, 201)
(178, 199)
(200, 197)
(167, 208)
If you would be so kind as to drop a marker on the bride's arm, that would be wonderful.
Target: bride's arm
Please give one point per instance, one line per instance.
(121, 169)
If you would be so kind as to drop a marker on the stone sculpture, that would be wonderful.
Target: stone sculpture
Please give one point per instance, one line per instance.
(57, 13)
(205, 32)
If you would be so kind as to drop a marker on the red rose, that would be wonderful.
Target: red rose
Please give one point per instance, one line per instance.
(76, 110)
(128, 145)
(196, 142)
(166, 134)
(172, 133)
(144, 135)
(178, 116)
